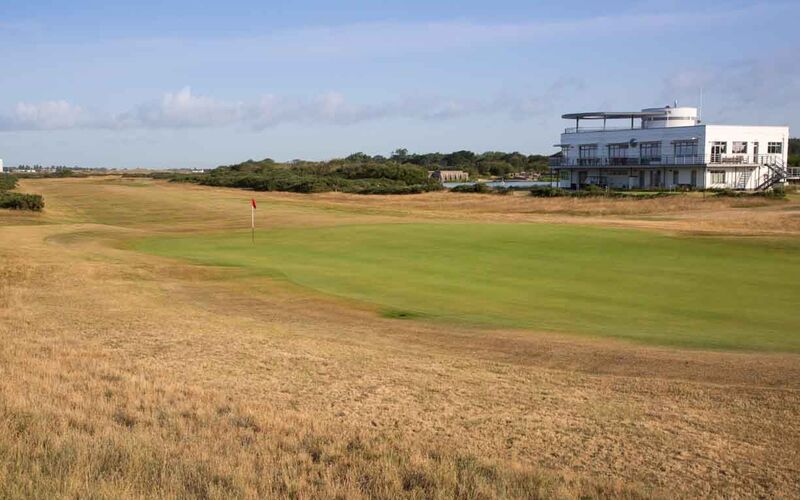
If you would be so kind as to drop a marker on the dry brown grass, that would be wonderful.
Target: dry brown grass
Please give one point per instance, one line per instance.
(124, 375)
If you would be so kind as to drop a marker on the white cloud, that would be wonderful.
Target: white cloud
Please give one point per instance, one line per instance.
(183, 109)
(46, 115)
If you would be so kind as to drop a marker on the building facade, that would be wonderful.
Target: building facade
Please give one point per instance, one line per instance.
(670, 148)
(448, 175)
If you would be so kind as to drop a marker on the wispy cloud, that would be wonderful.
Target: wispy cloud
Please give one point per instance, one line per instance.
(731, 88)
(184, 109)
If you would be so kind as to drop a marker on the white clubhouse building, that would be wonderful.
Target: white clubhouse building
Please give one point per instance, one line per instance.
(670, 148)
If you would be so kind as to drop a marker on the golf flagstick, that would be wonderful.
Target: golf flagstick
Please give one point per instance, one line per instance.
(253, 219)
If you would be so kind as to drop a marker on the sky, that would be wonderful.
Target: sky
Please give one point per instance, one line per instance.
(199, 84)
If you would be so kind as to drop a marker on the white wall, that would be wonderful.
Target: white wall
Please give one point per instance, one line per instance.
(750, 134)
(604, 138)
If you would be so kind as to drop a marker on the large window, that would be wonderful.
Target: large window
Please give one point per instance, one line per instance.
(618, 154)
(718, 148)
(775, 148)
(739, 147)
(650, 152)
(717, 176)
(587, 154)
(685, 149)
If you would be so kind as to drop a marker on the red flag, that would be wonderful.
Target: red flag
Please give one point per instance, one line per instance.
(253, 202)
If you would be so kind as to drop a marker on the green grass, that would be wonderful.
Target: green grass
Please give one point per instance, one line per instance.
(638, 285)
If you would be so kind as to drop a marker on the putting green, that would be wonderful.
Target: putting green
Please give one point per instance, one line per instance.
(688, 291)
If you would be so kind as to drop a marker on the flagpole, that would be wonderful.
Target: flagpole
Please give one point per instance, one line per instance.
(253, 223)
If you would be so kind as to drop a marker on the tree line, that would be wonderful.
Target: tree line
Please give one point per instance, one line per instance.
(794, 152)
(399, 173)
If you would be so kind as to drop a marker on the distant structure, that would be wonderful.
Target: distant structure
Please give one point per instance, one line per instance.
(448, 175)
(670, 148)
(1, 165)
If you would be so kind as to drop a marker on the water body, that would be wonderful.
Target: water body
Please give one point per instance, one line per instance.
(501, 184)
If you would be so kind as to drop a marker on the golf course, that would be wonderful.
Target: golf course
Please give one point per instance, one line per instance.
(631, 284)
(434, 345)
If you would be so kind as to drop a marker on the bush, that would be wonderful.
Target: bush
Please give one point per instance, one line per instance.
(21, 201)
(481, 188)
(776, 193)
(477, 187)
(7, 182)
(549, 192)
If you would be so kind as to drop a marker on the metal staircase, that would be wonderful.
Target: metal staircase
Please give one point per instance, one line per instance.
(777, 173)
(741, 180)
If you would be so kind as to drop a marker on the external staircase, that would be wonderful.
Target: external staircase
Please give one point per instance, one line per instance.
(778, 173)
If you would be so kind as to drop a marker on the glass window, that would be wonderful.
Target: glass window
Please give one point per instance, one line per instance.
(617, 150)
(685, 148)
(775, 148)
(675, 177)
(618, 154)
(717, 176)
(564, 175)
(650, 151)
(587, 151)
(739, 147)
(587, 154)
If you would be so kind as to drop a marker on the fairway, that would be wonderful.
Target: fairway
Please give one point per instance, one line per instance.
(731, 293)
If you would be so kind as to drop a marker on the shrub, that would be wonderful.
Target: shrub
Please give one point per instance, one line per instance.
(477, 187)
(21, 201)
(481, 188)
(549, 192)
(7, 182)
(776, 193)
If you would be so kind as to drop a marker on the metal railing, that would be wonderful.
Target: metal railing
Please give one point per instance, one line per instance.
(668, 160)
(576, 130)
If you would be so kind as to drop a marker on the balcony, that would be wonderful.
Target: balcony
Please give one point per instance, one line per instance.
(578, 130)
(662, 161)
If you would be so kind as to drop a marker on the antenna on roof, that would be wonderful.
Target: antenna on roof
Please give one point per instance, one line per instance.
(700, 108)
(675, 104)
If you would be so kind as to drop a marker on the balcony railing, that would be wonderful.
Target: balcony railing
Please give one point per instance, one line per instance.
(659, 161)
(576, 130)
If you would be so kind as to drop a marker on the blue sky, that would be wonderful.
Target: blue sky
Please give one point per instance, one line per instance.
(174, 84)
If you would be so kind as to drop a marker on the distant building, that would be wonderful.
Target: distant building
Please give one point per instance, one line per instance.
(448, 175)
(1, 165)
(669, 148)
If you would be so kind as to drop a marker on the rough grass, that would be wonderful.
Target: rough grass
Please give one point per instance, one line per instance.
(128, 375)
(689, 291)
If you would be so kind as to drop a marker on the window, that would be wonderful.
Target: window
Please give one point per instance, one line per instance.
(650, 151)
(618, 153)
(685, 149)
(739, 147)
(564, 175)
(616, 171)
(717, 176)
(587, 154)
(719, 147)
(675, 177)
(775, 148)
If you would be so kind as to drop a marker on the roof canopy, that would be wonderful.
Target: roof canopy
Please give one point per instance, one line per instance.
(603, 115)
